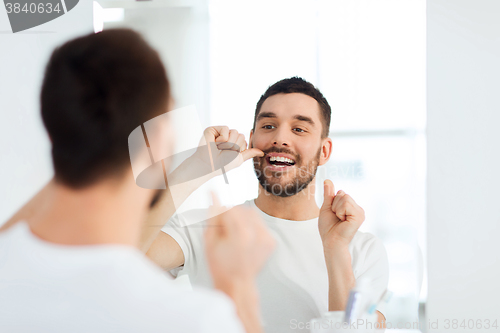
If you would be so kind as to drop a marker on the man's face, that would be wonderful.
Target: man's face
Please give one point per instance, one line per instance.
(288, 130)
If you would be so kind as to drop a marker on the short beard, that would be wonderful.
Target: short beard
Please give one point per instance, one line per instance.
(292, 188)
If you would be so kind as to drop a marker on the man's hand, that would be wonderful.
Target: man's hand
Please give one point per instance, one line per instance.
(339, 218)
(227, 141)
(188, 177)
(237, 244)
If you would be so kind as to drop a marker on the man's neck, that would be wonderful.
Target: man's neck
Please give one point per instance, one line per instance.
(299, 207)
(101, 214)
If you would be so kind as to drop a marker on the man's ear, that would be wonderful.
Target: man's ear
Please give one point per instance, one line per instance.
(250, 145)
(326, 150)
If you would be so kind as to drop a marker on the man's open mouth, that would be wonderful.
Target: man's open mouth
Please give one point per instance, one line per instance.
(280, 161)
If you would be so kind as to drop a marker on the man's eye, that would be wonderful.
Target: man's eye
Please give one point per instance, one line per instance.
(300, 130)
(267, 126)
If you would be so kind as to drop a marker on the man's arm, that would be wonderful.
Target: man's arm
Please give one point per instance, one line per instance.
(227, 141)
(237, 244)
(341, 279)
(339, 220)
(163, 244)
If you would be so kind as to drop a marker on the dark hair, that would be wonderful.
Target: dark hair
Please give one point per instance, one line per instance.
(298, 85)
(96, 90)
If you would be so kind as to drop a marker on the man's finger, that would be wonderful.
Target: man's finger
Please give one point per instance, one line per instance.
(251, 153)
(351, 207)
(222, 133)
(233, 136)
(215, 134)
(212, 231)
(339, 206)
(341, 213)
(241, 143)
(329, 194)
(233, 222)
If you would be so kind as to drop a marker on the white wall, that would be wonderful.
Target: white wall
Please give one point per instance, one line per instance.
(179, 32)
(463, 71)
(25, 164)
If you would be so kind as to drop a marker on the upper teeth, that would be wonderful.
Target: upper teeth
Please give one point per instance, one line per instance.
(280, 159)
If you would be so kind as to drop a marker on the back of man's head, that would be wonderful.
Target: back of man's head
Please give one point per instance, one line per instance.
(96, 90)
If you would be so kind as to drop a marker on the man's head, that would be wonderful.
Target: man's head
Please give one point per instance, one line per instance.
(96, 90)
(291, 126)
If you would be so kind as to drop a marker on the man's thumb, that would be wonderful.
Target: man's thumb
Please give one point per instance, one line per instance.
(251, 153)
(329, 194)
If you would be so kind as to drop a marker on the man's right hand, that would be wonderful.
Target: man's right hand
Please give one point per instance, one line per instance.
(189, 176)
(237, 244)
(220, 149)
(227, 140)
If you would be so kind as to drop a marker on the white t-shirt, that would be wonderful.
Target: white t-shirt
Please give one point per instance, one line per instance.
(293, 285)
(46, 287)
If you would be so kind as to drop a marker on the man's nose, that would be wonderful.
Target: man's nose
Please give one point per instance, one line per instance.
(281, 139)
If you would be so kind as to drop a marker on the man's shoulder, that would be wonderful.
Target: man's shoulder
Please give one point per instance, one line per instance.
(368, 255)
(365, 241)
(196, 218)
(8, 230)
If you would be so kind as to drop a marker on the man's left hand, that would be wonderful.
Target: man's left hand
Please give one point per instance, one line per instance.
(339, 218)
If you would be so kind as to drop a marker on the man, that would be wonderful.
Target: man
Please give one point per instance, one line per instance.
(320, 253)
(72, 265)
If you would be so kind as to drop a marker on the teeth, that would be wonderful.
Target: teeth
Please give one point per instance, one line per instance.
(280, 159)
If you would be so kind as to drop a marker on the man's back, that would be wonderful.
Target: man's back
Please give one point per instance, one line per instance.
(46, 287)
